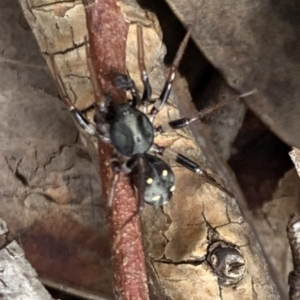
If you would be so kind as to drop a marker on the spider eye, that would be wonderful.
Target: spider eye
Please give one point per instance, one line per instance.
(149, 180)
(172, 189)
(156, 198)
(164, 173)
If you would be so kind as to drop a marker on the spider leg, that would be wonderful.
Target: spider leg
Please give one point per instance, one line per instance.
(141, 189)
(164, 96)
(144, 75)
(179, 158)
(112, 190)
(187, 163)
(127, 168)
(93, 77)
(124, 82)
(183, 122)
(80, 119)
(117, 167)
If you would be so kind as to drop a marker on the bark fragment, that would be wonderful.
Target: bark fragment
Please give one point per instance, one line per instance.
(293, 232)
(18, 279)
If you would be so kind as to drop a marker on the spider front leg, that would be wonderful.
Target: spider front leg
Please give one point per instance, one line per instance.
(124, 82)
(80, 119)
(144, 75)
(164, 96)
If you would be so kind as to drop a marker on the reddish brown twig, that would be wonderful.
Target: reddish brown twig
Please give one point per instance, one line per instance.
(293, 232)
(107, 37)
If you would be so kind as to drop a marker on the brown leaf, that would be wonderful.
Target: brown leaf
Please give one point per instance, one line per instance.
(253, 45)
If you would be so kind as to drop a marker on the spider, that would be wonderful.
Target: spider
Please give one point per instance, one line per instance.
(129, 129)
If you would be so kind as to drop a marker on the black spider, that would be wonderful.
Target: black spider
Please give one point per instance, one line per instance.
(131, 132)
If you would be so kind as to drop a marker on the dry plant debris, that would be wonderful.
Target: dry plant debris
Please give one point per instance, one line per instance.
(253, 45)
(293, 231)
(18, 278)
(177, 236)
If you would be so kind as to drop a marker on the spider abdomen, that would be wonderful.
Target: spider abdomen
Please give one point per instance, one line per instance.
(131, 132)
(156, 178)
